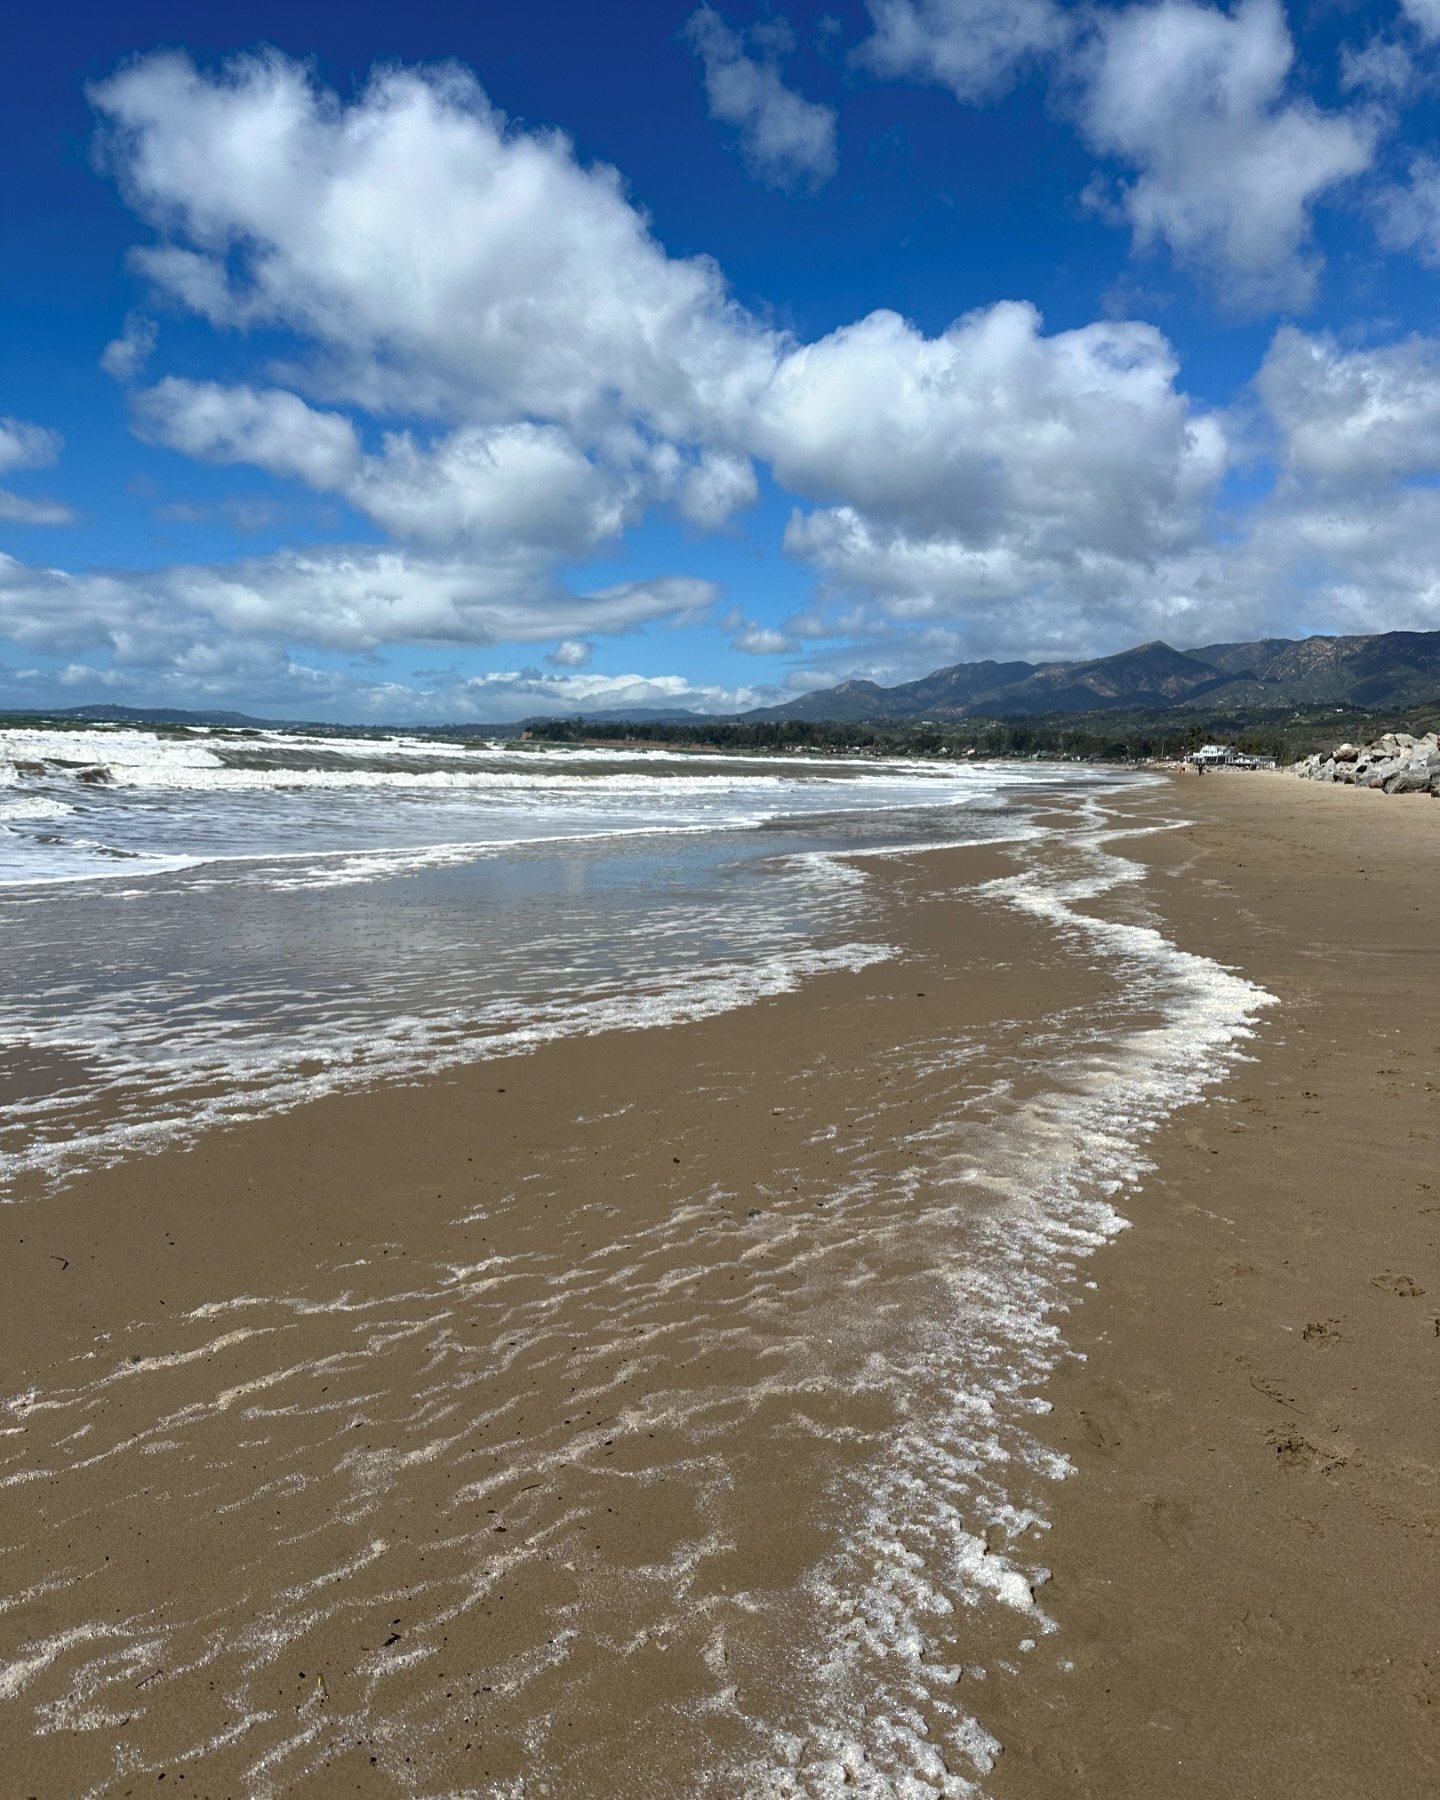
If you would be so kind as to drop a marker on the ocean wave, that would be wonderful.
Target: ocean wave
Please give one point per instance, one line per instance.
(34, 806)
(378, 807)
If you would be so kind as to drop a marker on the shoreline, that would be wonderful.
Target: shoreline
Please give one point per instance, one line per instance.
(1247, 1564)
(698, 1159)
(578, 1367)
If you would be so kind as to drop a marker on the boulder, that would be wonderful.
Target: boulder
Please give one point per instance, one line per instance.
(1410, 778)
(1397, 762)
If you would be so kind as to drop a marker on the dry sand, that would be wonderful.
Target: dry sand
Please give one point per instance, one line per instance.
(575, 1334)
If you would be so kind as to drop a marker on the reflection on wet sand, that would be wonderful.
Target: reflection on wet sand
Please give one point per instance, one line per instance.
(659, 1403)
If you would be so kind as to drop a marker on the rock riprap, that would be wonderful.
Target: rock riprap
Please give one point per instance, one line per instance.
(1396, 762)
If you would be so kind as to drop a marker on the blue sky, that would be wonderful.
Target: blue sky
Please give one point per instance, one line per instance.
(431, 363)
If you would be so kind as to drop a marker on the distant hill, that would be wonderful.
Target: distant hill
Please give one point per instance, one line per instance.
(1393, 668)
(106, 713)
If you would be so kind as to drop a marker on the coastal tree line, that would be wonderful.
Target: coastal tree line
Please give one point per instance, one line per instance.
(1111, 736)
(1087, 737)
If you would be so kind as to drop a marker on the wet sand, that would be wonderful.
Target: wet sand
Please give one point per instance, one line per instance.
(453, 1439)
(463, 1438)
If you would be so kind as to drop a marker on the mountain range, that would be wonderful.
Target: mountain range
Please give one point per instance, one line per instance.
(1393, 668)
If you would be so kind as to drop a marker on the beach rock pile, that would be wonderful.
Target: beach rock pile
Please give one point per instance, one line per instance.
(1397, 763)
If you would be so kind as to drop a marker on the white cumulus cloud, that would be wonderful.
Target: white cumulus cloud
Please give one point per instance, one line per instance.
(27, 446)
(1344, 560)
(20, 509)
(1424, 15)
(570, 653)
(1409, 212)
(1380, 67)
(518, 693)
(1227, 162)
(786, 140)
(518, 485)
(433, 261)
(1357, 416)
(269, 427)
(759, 640)
(991, 467)
(976, 48)
(125, 356)
(716, 486)
(992, 427)
(439, 260)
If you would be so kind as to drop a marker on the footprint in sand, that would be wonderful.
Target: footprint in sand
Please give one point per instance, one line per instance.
(1404, 1285)
(1169, 1519)
(1323, 1332)
(1295, 1452)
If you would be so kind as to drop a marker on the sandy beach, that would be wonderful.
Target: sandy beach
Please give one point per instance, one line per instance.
(566, 1424)
(1247, 1569)
(719, 829)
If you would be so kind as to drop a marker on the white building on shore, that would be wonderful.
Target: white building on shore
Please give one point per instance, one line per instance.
(1226, 756)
